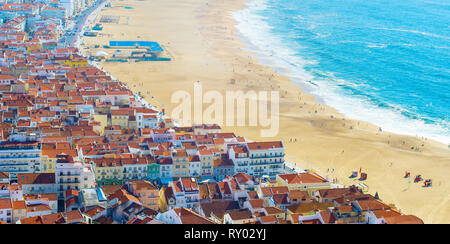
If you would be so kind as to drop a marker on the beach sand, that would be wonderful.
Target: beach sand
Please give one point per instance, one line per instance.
(201, 38)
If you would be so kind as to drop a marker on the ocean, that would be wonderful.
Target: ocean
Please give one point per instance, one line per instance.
(385, 62)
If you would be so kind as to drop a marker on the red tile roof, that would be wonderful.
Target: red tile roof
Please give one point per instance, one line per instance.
(5, 204)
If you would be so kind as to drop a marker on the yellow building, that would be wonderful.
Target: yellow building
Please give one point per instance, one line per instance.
(103, 120)
(120, 118)
(48, 158)
(306, 209)
(47, 164)
(180, 161)
(310, 182)
(30, 48)
(108, 171)
(207, 158)
(162, 199)
(74, 62)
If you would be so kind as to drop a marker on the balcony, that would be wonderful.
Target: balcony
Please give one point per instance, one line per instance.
(18, 157)
(192, 200)
(13, 164)
(268, 156)
(69, 182)
(16, 171)
(266, 163)
(69, 175)
(275, 167)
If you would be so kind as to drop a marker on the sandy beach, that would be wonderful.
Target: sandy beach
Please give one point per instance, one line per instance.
(201, 39)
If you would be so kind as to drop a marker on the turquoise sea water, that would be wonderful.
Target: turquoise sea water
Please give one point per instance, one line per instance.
(386, 62)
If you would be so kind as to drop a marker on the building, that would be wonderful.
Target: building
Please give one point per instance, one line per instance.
(120, 118)
(240, 156)
(71, 175)
(135, 168)
(4, 177)
(19, 210)
(238, 216)
(118, 202)
(92, 198)
(52, 12)
(182, 216)
(223, 167)
(266, 158)
(146, 192)
(146, 118)
(186, 192)
(11, 10)
(308, 208)
(153, 170)
(180, 161)
(6, 211)
(15, 191)
(20, 157)
(166, 168)
(49, 158)
(310, 182)
(194, 166)
(69, 6)
(206, 129)
(37, 183)
(108, 171)
(207, 157)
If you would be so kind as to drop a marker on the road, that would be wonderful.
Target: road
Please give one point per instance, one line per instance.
(75, 27)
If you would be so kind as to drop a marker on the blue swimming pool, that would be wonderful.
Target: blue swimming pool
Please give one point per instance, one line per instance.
(154, 46)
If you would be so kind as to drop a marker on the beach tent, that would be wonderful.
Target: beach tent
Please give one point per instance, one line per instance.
(418, 178)
(363, 176)
(407, 174)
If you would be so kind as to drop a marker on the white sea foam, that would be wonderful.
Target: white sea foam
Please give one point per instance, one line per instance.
(273, 51)
(377, 45)
(437, 3)
(414, 32)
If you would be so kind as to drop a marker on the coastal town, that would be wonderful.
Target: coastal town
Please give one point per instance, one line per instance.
(77, 146)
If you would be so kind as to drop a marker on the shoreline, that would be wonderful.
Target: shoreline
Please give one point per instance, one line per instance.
(318, 130)
(313, 88)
